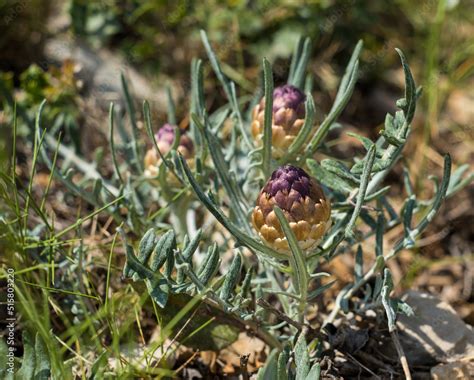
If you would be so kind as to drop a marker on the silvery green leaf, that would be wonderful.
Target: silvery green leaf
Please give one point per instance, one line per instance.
(367, 218)
(269, 371)
(297, 259)
(231, 278)
(301, 358)
(186, 240)
(295, 58)
(258, 294)
(171, 107)
(132, 197)
(42, 361)
(97, 188)
(217, 118)
(137, 162)
(391, 211)
(328, 179)
(457, 175)
(112, 143)
(27, 368)
(387, 287)
(215, 64)
(430, 214)
(305, 130)
(319, 275)
(157, 285)
(382, 164)
(379, 232)
(343, 95)
(169, 264)
(145, 248)
(315, 373)
(368, 163)
(403, 307)
(393, 138)
(320, 290)
(223, 170)
(401, 103)
(197, 95)
(174, 165)
(378, 166)
(339, 169)
(440, 195)
(345, 305)
(268, 117)
(151, 136)
(359, 264)
(191, 247)
(410, 90)
(348, 74)
(298, 75)
(127, 270)
(162, 250)
(228, 86)
(407, 182)
(366, 142)
(206, 260)
(211, 265)
(389, 124)
(399, 120)
(244, 290)
(407, 221)
(457, 182)
(282, 365)
(158, 289)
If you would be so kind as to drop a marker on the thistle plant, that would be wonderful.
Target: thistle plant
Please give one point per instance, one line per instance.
(273, 196)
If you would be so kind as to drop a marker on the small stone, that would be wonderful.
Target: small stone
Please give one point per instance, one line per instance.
(435, 333)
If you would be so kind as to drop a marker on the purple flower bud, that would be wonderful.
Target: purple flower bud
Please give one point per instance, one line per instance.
(165, 138)
(303, 203)
(166, 134)
(288, 118)
(286, 178)
(288, 96)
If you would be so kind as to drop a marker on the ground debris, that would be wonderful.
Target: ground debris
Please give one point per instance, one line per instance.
(458, 370)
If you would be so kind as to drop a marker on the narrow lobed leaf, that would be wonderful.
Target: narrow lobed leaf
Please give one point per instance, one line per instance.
(231, 278)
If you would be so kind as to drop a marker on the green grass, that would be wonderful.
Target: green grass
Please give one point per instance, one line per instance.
(57, 286)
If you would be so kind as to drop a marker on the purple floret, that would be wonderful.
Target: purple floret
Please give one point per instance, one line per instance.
(288, 96)
(286, 178)
(166, 133)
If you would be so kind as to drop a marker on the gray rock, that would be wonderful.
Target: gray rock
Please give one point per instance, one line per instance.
(435, 333)
(100, 72)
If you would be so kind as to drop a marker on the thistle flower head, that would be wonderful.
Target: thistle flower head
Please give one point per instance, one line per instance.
(288, 96)
(165, 139)
(287, 119)
(303, 203)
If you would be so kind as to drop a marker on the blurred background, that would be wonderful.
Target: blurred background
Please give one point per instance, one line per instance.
(73, 52)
